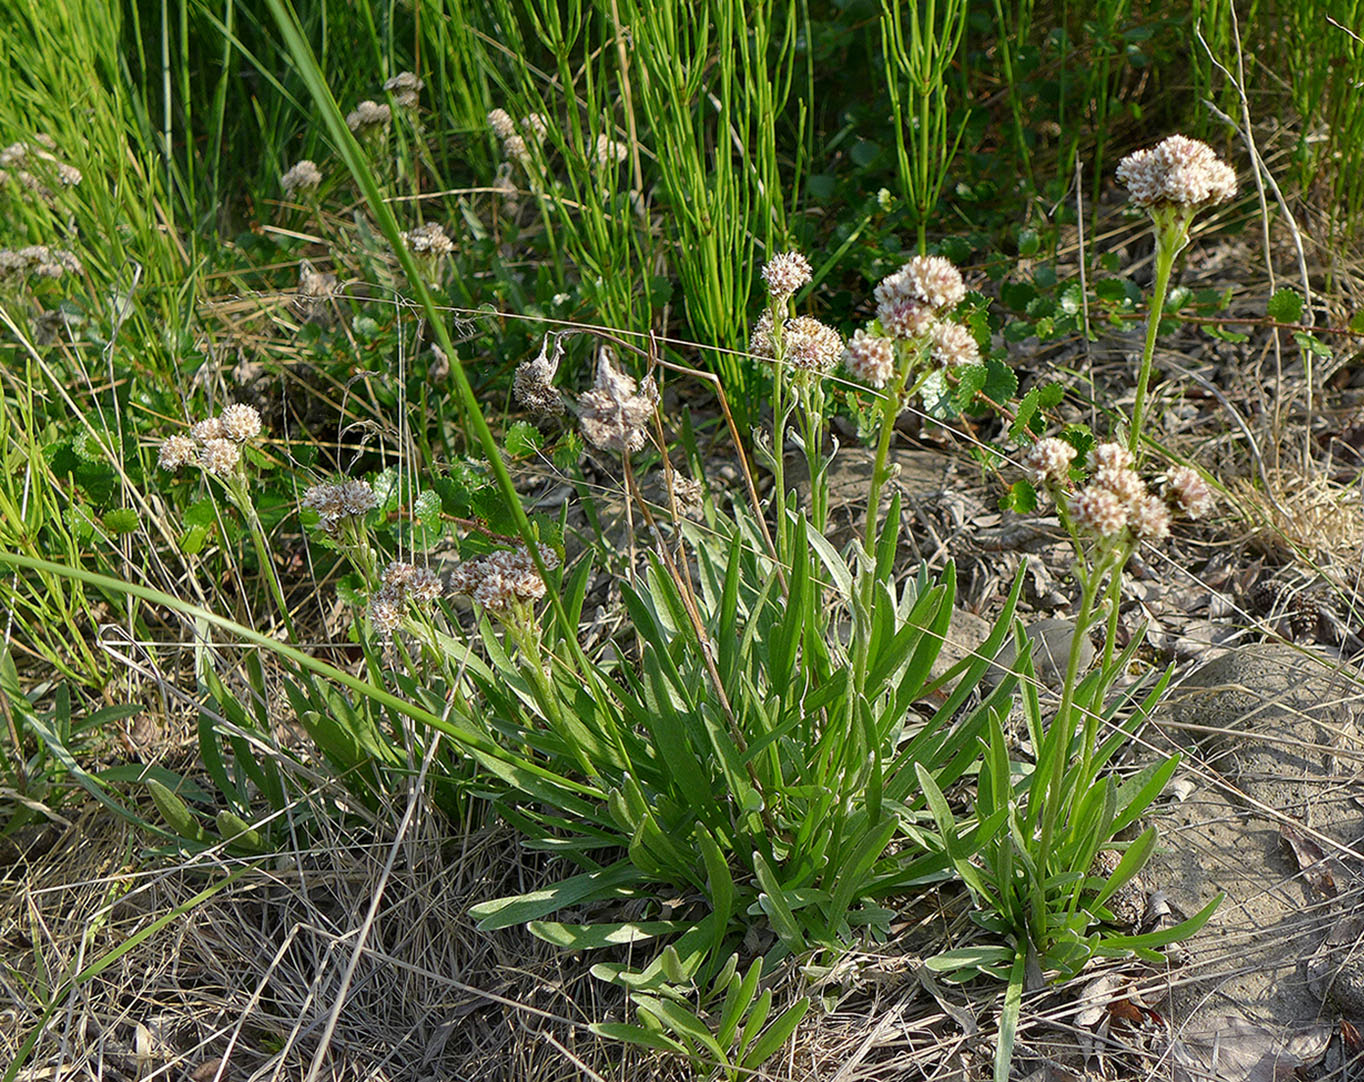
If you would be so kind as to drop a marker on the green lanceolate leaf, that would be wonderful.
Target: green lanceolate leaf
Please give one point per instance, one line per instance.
(738, 997)
(638, 1035)
(682, 1021)
(1008, 1019)
(239, 834)
(850, 880)
(1133, 860)
(766, 1046)
(1165, 936)
(175, 812)
(719, 883)
(1137, 793)
(610, 882)
(774, 904)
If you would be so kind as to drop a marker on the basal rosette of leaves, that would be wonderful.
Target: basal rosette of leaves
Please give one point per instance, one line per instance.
(720, 770)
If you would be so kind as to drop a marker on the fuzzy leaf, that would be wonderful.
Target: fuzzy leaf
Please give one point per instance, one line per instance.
(1001, 384)
(121, 520)
(1285, 306)
(522, 440)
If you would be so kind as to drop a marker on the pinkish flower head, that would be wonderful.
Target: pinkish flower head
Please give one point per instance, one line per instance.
(870, 358)
(1048, 461)
(1178, 170)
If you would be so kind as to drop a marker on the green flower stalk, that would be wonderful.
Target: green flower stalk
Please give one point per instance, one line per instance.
(1172, 182)
(215, 444)
(803, 351)
(908, 341)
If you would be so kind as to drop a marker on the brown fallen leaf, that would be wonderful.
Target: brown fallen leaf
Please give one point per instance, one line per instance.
(1318, 869)
(1350, 1036)
(209, 1070)
(1232, 1048)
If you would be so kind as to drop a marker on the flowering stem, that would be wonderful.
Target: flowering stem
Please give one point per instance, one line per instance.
(890, 410)
(236, 490)
(1171, 236)
(1065, 719)
(812, 427)
(864, 592)
(1110, 571)
(781, 415)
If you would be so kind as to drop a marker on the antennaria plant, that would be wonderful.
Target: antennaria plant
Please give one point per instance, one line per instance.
(1031, 863)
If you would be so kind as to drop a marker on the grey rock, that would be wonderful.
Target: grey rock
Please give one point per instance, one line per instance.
(964, 635)
(1051, 640)
(1265, 722)
(1269, 715)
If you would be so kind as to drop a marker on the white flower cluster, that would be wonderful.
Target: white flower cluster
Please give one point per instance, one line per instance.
(911, 299)
(405, 88)
(18, 162)
(517, 139)
(367, 117)
(614, 413)
(429, 239)
(337, 501)
(1116, 498)
(38, 261)
(912, 304)
(302, 176)
(215, 441)
(1048, 461)
(401, 582)
(807, 344)
(870, 358)
(1179, 171)
(785, 273)
(951, 345)
(1188, 491)
(609, 152)
(503, 579)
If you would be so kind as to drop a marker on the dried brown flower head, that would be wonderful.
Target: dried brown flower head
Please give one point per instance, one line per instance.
(614, 413)
(336, 501)
(429, 239)
(502, 579)
(533, 382)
